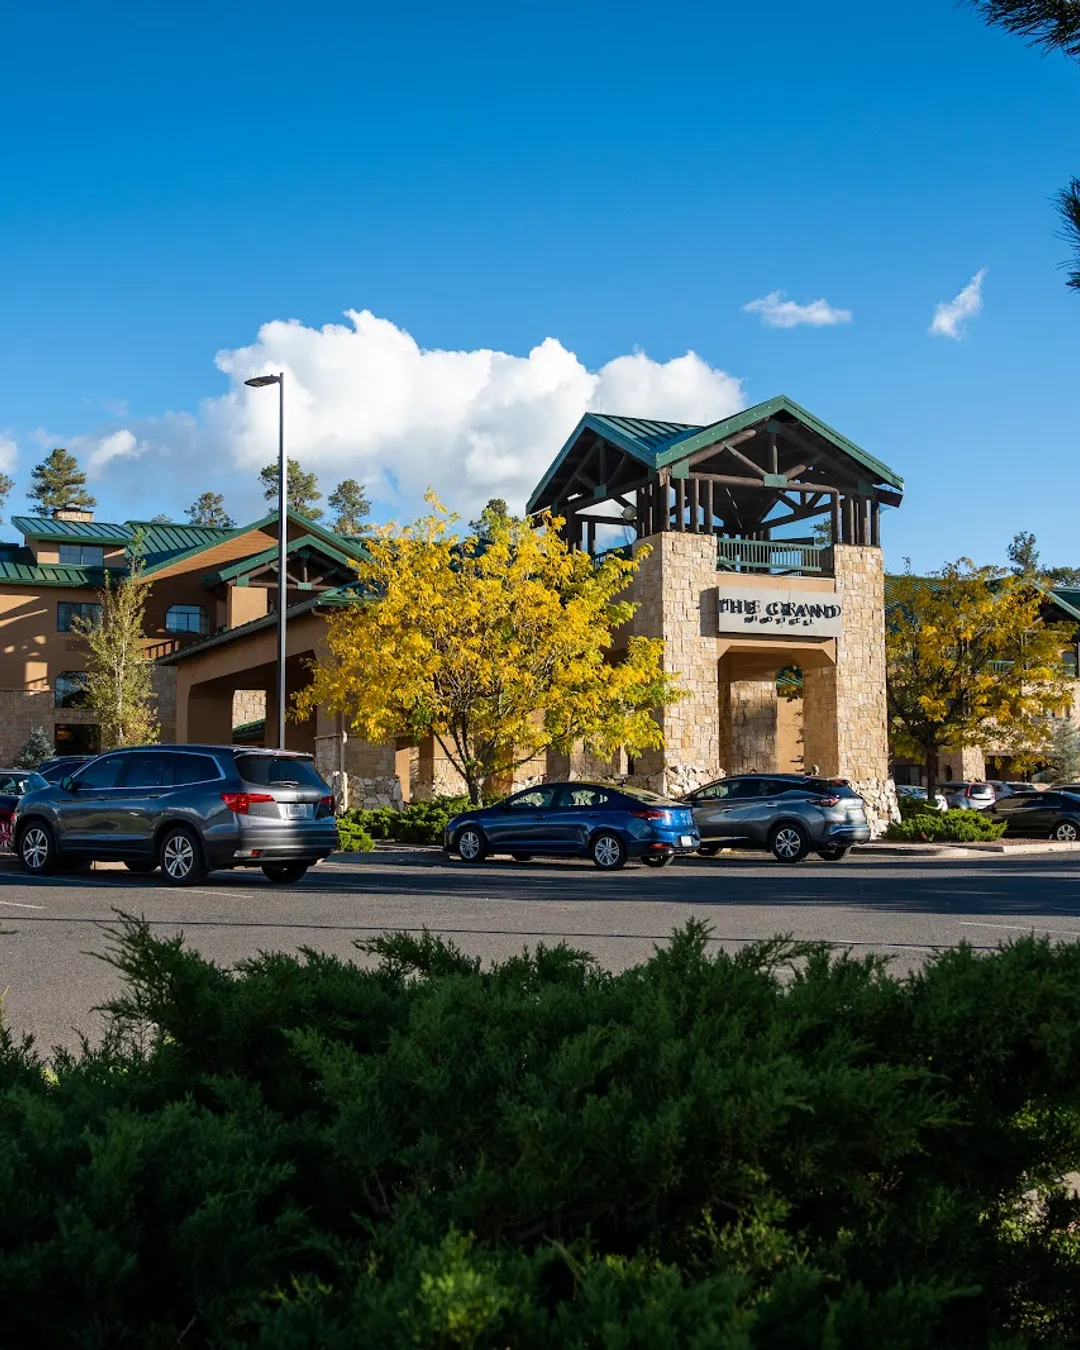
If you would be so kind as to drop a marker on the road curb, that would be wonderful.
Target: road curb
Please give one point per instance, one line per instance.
(990, 848)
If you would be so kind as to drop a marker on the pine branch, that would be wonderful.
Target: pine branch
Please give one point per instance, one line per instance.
(1068, 204)
(1053, 25)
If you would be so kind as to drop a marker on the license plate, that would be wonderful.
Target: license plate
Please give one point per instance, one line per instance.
(296, 810)
(687, 841)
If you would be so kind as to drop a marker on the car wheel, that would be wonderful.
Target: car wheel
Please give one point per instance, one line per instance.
(284, 874)
(521, 857)
(608, 851)
(180, 854)
(832, 854)
(708, 850)
(1067, 832)
(471, 845)
(789, 843)
(37, 848)
(658, 859)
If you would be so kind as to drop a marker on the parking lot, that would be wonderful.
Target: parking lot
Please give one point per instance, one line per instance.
(51, 929)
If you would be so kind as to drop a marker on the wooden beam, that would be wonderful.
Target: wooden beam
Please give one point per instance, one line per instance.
(718, 447)
(680, 503)
(692, 493)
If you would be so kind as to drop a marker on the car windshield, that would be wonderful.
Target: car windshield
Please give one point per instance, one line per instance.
(278, 771)
(17, 782)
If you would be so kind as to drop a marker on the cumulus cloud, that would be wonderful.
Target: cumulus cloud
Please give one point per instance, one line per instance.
(9, 452)
(951, 315)
(776, 312)
(364, 400)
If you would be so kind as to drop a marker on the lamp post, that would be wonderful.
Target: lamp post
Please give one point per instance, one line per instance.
(260, 382)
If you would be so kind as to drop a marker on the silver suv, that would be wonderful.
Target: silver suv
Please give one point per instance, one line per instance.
(186, 809)
(785, 813)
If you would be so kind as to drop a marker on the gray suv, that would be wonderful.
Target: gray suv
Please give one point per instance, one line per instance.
(186, 809)
(785, 813)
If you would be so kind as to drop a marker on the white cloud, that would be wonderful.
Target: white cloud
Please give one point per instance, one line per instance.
(776, 312)
(364, 400)
(9, 452)
(950, 315)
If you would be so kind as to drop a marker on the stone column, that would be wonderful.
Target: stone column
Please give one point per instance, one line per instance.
(676, 591)
(967, 763)
(845, 717)
(372, 773)
(749, 717)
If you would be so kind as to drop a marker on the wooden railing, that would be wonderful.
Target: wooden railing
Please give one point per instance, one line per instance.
(776, 556)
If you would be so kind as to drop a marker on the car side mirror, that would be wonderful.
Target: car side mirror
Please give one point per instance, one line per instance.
(69, 784)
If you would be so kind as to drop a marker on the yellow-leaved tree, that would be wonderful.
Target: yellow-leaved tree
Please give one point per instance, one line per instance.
(971, 661)
(499, 646)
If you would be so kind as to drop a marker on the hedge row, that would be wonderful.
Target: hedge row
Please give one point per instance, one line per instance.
(782, 1148)
(417, 823)
(933, 826)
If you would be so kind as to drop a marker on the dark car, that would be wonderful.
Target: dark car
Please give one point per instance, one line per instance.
(788, 814)
(186, 809)
(1046, 815)
(14, 783)
(608, 824)
(55, 769)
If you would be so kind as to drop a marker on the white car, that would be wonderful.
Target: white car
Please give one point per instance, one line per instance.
(919, 793)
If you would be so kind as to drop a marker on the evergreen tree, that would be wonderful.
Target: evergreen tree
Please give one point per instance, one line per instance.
(1063, 755)
(119, 688)
(58, 481)
(6, 484)
(208, 508)
(350, 501)
(161, 519)
(37, 750)
(494, 514)
(1023, 554)
(303, 489)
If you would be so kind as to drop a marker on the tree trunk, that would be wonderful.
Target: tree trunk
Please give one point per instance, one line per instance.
(931, 754)
(476, 797)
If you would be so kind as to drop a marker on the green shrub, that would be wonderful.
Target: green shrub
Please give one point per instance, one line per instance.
(352, 837)
(417, 823)
(912, 806)
(942, 827)
(778, 1148)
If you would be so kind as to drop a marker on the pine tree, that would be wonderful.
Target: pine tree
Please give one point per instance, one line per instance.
(57, 482)
(37, 750)
(119, 688)
(350, 501)
(303, 489)
(495, 513)
(208, 508)
(1063, 756)
(6, 484)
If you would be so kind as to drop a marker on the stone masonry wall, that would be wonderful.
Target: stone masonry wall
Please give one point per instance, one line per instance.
(748, 723)
(675, 589)
(845, 717)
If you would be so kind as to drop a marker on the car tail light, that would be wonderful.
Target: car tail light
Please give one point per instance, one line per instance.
(240, 802)
(649, 815)
(825, 801)
(329, 803)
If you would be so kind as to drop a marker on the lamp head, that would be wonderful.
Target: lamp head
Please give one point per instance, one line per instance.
(261, 381)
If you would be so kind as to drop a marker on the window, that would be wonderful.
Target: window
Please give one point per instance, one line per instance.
(534, 799)
(584, 796)
(72, 614)
(82, 555)
(83, 738)
(71, 689)
(282, 770)
(186, 619)
(154, 769)
(194, 769)
(101, 773)
(16, 784)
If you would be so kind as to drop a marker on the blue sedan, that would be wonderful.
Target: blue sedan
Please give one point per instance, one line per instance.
(608, 824)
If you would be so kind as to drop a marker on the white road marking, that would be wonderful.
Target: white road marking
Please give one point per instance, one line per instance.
(16, 905)
(1019, 927)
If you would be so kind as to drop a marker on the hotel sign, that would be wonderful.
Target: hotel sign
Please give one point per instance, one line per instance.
(759, 612)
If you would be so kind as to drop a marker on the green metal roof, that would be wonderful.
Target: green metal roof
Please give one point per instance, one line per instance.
(71, 531)
(335, 599)
(244, 566)
(659, 444)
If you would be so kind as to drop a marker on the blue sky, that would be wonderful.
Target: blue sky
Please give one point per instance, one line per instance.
(616, 178)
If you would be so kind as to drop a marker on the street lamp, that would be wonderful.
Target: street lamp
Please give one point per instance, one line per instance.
(260, 382)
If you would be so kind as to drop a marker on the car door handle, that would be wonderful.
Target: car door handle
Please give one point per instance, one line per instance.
(593, 815)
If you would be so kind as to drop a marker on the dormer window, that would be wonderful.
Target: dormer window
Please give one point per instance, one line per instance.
(82, 555)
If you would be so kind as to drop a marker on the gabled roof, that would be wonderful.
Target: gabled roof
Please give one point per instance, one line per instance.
(660, 444)
(71, 531)
(245, 566)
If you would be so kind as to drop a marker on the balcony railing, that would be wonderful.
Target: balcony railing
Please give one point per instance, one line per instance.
(780, 557)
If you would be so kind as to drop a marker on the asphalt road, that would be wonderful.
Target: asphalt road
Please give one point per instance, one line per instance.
(52, 928)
